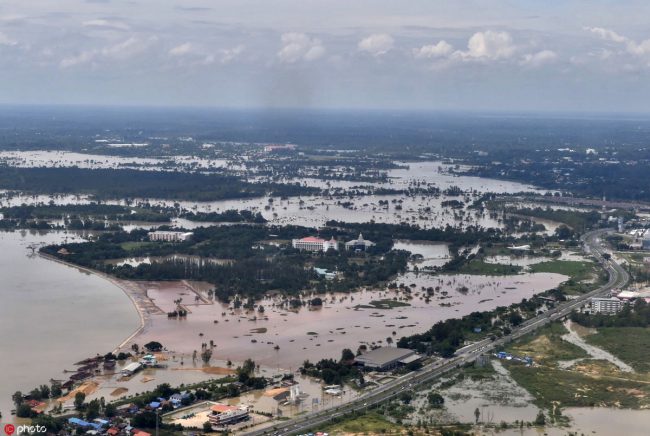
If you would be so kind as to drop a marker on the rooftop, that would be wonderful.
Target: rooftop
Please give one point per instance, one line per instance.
(384, 355)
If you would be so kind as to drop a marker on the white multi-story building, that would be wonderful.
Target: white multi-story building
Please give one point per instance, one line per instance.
(606, 306)
(311, 243)
(167, 236)
(359, 244)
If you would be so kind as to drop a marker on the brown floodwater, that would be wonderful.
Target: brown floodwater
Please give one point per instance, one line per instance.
(52, 315)
(284, 338)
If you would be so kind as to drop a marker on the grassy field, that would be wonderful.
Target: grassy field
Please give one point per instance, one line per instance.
(630, 344)
(577, 270)
(572, 388)
(128, 246)
(588, 382)
(547, 347)
(489, 269)
(369, 423)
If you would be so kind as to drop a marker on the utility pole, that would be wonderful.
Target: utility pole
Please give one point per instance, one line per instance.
(156, 422)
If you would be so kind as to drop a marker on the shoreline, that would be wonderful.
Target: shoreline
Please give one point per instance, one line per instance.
(142, 313)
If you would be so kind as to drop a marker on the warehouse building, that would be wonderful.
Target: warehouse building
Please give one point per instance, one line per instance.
(386, 358)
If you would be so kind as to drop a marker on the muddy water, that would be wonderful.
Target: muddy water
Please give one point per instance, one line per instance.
(433, 253)
(314, 333)
(594, 421)
(315, 211)
(51, 315)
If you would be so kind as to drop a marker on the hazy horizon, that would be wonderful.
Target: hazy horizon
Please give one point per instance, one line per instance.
(575, 55)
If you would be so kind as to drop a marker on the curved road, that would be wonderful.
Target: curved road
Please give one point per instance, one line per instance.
(591, 244)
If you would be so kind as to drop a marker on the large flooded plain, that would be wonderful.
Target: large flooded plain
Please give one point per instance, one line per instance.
(284, 337)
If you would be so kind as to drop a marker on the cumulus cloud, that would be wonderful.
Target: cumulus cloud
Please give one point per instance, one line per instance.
(535, 60)
(181, 50)
(489, 45)
(441, 49)
(377, 44)
(299, 46)
(116, 52)
(631, 46)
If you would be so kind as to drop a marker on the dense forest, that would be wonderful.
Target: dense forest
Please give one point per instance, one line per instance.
(126, 183)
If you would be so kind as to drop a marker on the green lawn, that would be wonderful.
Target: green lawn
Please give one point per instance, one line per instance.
(630, 344)
(370, 423)
(130, 246)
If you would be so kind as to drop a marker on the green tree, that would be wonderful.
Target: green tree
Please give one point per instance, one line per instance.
(436, 400)
(79, 399)
(17, 398)
(347, 355)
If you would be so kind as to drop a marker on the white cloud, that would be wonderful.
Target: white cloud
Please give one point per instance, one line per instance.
(489, 45)
(377, 44)
(229, 54)
(607, 34)
(441, 49)
(107, 24)
(121, 51)
(181, 50)
(299, 46)
(633, 47)
(5, 40)
(535, 60)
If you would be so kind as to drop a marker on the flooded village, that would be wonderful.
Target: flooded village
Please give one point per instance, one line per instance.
(201, 341)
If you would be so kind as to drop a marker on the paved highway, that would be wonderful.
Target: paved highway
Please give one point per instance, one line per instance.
(591, 244)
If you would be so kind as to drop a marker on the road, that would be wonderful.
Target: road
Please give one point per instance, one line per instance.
(592, 245)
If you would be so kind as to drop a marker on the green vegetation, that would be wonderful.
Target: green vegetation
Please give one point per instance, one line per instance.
(581, 274)
(637, 315)
(445, 337)
(569, 388)
(332, 371)
(480, 267)
(546, 346)
(590, 382)
(630, 344)
(578, 270)
(127, 183)
(368, 423)
(577, 220)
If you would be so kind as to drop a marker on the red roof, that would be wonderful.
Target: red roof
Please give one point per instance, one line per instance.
(221, 408)
(312, 239)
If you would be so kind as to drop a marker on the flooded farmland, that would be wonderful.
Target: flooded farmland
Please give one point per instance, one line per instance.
(282, 337)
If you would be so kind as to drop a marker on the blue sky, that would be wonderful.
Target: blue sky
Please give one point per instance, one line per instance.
(419, 54)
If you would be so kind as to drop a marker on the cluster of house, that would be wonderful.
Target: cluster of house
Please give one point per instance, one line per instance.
(104, 427)
(613, 304)
(118, 427)
(312, 243)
